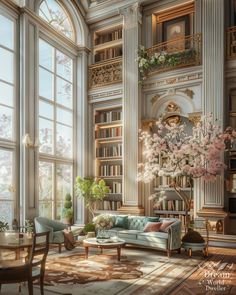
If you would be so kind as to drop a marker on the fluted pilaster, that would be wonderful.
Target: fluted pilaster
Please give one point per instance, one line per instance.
(131, 102)
(213, 83)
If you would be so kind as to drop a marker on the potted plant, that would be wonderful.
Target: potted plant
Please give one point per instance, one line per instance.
(29, 227)
(91, 190)
(68, 210)
(3, 226)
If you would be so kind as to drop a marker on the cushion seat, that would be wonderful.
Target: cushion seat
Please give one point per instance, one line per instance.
(129, 234)
(155, 237)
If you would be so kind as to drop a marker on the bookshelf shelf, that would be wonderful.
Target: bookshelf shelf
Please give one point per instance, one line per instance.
(108, 154)
(107, 44)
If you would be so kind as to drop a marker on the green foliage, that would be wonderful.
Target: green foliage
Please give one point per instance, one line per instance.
(3, 226)
(89, 227)
(91, 190)
(162, 60)
(68, 210)
(29, 226)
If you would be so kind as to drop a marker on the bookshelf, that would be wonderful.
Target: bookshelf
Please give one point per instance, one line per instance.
(108, 155)
(107, 44)
(170, 204)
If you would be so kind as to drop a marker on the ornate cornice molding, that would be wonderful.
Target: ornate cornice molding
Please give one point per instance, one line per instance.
(172, 81)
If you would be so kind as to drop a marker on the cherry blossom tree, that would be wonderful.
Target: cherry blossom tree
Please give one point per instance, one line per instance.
(170, 151)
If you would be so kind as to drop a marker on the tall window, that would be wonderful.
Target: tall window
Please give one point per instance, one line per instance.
(7, 119)
(52, 12)
(55, 129)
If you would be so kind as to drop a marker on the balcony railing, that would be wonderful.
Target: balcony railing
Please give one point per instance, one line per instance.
(178, 53)
(231, 43)
(105, 73)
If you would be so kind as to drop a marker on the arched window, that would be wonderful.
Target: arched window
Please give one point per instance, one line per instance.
(53, 13)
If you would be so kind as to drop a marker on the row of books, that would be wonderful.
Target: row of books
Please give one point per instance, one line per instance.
(110, 170)
(116, 187)
(170, 205)
(166, 181)
(108, 205)
(108, 132)
(110, 116)
(110, 36)
(108, 53)
(109, 151)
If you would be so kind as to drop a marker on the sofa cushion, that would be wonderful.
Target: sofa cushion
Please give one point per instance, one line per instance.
(114, 231)
(137, 222)
(154, 237)
(130, 234)
(165, 225)
(152, 219)
(152, 227)
(121, 221)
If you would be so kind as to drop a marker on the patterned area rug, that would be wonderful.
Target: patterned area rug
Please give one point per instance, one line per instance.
(73, 269)
(140, 272)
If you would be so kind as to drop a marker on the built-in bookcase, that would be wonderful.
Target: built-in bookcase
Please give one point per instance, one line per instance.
(170, 204)
(109, 154)
(107, 44)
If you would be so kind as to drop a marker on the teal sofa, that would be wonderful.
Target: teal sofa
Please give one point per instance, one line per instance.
(168, 241)
(55, 228)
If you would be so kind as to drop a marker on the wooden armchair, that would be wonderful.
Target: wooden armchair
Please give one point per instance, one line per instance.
(16, 271)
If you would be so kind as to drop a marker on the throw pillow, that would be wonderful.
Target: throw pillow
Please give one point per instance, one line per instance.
(153, 219)
(165, 225)
(121, 221)
(152, 226)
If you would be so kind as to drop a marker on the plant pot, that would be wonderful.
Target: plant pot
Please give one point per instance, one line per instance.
(67, 220)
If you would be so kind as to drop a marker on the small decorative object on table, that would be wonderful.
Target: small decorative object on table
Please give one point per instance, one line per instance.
(103, 223)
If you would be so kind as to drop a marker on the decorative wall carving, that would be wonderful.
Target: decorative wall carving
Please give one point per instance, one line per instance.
(195, 117)
(105, 73)
(188, 92)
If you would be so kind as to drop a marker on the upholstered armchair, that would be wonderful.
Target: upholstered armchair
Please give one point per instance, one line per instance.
(55, 228)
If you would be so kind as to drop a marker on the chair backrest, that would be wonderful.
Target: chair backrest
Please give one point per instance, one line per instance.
(39, 250)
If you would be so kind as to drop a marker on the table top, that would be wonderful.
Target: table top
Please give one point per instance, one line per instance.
(12, 240)
(108, 243)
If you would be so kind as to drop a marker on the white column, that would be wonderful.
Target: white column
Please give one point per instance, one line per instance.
(213, 83)
(82, 127)
(131, 103)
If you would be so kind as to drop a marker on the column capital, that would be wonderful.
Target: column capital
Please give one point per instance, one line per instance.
(131, 15)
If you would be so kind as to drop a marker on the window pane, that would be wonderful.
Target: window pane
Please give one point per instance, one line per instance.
(6, 122)
(59, 210)
(64, 141)
(64, 93)
(45, 84)
(55, 15)
(45, 136)
(64, 66)
(6, 211)
(6, 174)
(64, 117)
(6, 32)
(46, 55)
(45, 209)
(6, 68)
(45, 181)
(6, 94)
(46, 110)
(64, 181)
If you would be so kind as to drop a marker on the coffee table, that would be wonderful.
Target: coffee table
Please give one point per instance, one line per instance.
(92, 243)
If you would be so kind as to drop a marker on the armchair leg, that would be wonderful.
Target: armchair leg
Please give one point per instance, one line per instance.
(179, 251)
(59, 248)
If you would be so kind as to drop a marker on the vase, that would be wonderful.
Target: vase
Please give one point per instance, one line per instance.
(103, 234)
